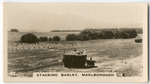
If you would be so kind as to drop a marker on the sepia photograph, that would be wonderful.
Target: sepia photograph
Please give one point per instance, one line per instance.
(81, 41)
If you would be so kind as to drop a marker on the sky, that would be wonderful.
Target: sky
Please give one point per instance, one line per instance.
(71, 16)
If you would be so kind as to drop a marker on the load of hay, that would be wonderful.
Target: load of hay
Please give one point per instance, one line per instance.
(76, 59)
(138, 39)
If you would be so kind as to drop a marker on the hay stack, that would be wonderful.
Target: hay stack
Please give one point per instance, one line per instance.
(138, 39)
(74, 60)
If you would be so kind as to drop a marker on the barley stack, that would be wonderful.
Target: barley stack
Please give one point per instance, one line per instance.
(138, 39)
(75, 59)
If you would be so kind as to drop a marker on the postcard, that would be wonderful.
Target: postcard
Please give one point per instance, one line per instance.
(75, 42)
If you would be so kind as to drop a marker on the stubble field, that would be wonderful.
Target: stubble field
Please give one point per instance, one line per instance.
(111, 55)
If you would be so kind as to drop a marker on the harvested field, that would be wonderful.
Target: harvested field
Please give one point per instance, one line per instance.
(121, 55)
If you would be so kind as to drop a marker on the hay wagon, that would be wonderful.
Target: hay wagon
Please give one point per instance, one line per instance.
(138, 40)
(77, 59)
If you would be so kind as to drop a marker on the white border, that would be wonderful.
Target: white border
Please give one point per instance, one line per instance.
(53, 1)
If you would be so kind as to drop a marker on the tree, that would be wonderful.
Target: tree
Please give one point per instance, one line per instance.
(29, 38)
(71, 37)
(50, 39)
(56, 38)
(43, 38)
(14, 30)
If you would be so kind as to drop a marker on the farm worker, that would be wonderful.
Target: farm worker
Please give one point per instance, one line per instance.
(75, 50)
(84, 53)
(91, 58)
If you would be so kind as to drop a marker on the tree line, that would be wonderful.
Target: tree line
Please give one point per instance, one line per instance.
(31, 38)
(87, 34)
(138, 30)
(14, 30)
(102, 34)
(65, 30)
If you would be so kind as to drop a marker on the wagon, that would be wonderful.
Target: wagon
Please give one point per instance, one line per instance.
(76, 60)
(138, 40)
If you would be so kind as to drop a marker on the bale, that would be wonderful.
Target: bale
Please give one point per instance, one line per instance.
(29, 38)
(138, 40)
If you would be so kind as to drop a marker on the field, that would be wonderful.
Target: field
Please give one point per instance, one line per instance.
(111, 55)
(15, 36)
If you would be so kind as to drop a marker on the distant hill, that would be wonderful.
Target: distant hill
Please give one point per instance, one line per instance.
(41, 21)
